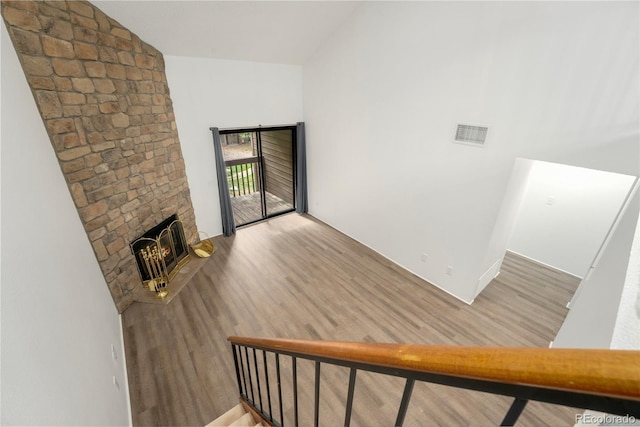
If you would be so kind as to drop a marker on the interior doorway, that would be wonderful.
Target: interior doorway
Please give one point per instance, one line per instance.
(260, 171)
(556, 215)
(566, 213)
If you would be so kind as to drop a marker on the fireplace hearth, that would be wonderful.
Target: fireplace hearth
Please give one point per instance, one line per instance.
(160, 253)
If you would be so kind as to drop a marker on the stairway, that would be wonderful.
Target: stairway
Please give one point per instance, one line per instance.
(236, 416)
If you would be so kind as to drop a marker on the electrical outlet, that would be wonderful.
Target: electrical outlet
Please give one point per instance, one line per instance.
(449, 270)
(424, 257)
(114, 353)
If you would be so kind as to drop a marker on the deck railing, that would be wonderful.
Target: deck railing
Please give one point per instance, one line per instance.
(601, 380)
(243, 176)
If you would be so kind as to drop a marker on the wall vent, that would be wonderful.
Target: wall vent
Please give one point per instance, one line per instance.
(472, 135)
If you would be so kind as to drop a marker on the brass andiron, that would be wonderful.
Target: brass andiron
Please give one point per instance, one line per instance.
(153, 256)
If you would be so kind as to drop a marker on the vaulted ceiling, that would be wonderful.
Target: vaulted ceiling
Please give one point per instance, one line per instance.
(286, 32)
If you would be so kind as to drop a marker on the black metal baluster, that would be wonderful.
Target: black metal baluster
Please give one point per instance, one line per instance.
(246, 355)
(404, 403)
(266, 377)
(235, 362)
(295, 390)
(255, 363)
(514, 412)
(316, 409)
(352, 386)
(279, 389)
(244, 380)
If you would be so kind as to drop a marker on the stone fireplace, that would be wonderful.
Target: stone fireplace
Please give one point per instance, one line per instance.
(103, 97)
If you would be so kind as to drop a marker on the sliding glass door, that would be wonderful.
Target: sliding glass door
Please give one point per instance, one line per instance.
(260, 170)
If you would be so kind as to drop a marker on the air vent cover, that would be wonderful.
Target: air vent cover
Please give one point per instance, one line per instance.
(472, 135)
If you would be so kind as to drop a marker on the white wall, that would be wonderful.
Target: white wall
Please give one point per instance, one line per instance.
(554, 81)
(225, 94)
(58, 318)
(592, 319)
(566, 214)
(625, 332)
(505, 221)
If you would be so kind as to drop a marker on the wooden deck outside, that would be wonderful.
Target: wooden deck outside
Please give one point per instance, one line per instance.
(246, 208)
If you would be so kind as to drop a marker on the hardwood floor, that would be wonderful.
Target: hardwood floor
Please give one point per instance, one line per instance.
(295, 277)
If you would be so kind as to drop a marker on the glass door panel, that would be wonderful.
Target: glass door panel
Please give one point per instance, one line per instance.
(278, 170)
(242, 162)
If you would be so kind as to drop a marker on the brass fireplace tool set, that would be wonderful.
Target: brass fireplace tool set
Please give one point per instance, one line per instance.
(153, 256)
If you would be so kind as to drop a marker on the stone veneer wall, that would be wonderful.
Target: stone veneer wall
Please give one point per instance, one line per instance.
(103, 96)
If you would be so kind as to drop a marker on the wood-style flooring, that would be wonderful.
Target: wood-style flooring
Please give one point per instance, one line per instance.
(295, 277)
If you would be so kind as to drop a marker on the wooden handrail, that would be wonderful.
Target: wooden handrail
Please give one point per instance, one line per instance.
(612, 373)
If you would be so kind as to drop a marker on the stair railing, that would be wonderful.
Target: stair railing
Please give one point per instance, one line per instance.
(602, 380)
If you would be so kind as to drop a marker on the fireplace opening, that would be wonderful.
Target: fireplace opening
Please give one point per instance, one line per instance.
(160, 253)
